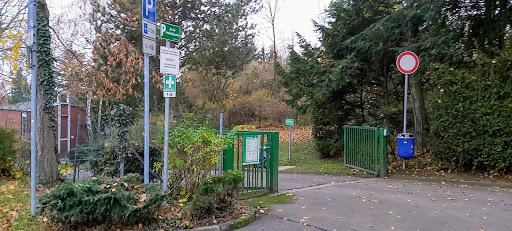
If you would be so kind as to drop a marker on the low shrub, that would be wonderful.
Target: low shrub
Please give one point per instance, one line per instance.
(23, 156)
(217, 194)
(84, 151)
(7, 153)
(102, 201)
(193, 153)
(104, 161)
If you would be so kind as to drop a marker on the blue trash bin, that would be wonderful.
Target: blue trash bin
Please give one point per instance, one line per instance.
(405, 145)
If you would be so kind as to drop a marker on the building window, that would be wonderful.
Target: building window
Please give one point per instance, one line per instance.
(23, 124)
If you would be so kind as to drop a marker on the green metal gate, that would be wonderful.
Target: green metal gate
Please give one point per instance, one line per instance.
(365, 149)
(257, 177)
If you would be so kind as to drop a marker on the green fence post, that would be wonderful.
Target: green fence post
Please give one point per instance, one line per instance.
(383, 154)
(274, 162)
(228, 158)
(345, 145)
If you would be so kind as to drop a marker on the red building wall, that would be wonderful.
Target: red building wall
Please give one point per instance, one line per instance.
(12, 119)
(82, 136)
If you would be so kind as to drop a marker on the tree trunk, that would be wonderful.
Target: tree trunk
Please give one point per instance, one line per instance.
(419, 111)
(99, 132)
(273, 22)
(88, 116)
(47, 166)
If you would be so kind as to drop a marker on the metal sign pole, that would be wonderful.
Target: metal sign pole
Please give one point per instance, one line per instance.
(289, 143)
(221, 121)
(33, 106)
(148, 48)
(405, 111)
(166, 138)
(405, 103)
(146, 119)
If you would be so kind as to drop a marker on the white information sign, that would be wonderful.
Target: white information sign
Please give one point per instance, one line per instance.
(148, 29)
(169, 61)
(251, 150)
(148, 46)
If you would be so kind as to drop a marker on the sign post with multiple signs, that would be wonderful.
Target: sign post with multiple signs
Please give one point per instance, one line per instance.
(148, 48)
(170, 67)
(289, 123)
(407, 63)
(149, 27)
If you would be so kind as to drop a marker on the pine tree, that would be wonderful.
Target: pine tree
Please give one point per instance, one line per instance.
(20, 90)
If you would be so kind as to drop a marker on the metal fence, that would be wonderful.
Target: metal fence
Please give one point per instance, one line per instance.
(262, 176)
(365, 149)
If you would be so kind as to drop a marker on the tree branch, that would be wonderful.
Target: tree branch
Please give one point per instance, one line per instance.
(66, 47)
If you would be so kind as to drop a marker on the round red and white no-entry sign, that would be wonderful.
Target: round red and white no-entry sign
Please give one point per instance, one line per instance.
(407, 62)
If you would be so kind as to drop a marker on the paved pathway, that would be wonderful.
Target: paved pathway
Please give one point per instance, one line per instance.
(350, 203)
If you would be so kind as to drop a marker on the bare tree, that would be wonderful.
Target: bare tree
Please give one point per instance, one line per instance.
(271, 7)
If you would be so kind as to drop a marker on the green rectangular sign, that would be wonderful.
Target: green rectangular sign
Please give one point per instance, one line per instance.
(170, 86)
(251, 150)
(289, 122)
(170, 32)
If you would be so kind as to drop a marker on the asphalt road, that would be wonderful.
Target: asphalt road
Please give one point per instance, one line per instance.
(350, 203)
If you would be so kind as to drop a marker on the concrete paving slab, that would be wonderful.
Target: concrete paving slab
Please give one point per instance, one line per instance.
(379, 204)
(289, 181)
(276, 223)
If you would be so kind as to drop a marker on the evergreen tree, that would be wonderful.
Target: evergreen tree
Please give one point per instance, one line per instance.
(352, 78)
(223, 46)
(20, 90)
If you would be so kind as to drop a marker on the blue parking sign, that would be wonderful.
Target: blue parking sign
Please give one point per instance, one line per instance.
(149, 10)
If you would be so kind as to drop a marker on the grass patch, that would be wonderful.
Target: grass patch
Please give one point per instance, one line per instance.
(249, 195)
(266, 201)
(15, 206)
(241, 222)
(307, 159)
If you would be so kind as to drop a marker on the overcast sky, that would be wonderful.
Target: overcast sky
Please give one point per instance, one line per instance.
(292, 16)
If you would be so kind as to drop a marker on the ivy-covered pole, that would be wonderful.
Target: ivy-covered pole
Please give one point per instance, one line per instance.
(33, 102)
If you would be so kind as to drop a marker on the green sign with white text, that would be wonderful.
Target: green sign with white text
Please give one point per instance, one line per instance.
(289, 122)
(169, 86)
(170, 32)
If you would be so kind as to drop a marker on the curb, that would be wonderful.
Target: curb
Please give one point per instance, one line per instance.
(231, 225)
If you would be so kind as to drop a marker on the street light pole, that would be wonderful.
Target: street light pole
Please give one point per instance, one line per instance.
(32, 20)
